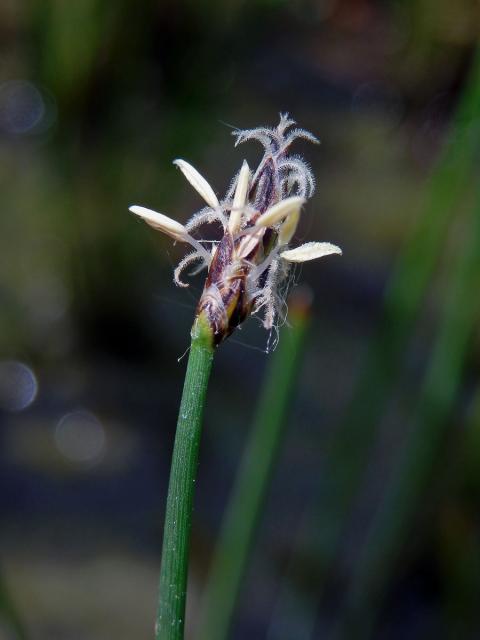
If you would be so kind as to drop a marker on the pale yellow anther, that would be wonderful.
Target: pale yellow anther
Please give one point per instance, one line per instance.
(279, 211)
(198, 182)
(239, 199)
(162, 223)
(249, 242)
(288, 228)
(310, 251)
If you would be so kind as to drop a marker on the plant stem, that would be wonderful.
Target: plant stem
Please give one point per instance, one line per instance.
(251, 484)
(178, 516)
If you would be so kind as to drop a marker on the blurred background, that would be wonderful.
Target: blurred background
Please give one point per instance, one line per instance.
(372, 522)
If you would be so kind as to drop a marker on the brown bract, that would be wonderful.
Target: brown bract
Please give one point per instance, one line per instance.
(224, 301)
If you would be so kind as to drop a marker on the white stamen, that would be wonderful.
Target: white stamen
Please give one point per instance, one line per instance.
(171, 227)
(310, 251)
(239, 199)
(198, 182)
(248, 243)
(162, 223)
(280, 211)
(288, 228)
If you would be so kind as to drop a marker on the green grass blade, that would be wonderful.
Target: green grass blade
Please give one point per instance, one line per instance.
(457, 534)
(252, 481)
(403, 299)
(439, 391)
(9, 614)
(412, 272)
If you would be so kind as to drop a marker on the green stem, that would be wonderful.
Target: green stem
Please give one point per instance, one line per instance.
(178, 516)
(251, 484)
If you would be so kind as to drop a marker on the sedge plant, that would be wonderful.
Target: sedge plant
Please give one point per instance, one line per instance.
(247, 271)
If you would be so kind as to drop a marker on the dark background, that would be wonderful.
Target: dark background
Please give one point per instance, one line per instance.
(96, 100)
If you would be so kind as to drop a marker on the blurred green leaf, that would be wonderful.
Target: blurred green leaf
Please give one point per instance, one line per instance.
(244, 508)
(9, 615)
(404, 493)
(403, 298)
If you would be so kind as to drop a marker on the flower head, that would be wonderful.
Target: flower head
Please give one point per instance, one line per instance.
(258, 216)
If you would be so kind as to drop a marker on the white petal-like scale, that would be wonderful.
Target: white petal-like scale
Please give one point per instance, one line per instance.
(162, 223)
(279, 211)
(239, 199)
(198, 182)
(310, 251)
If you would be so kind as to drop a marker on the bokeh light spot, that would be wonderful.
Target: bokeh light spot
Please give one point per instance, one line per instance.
(80, 437)
(18, 386)
(21, 107)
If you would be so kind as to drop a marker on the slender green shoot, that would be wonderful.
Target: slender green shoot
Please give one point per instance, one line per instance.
(471, 449)
(251, 484)
(411, 275)
(459, 545)
(439, 391)
(9, 614)
(403, 300)
(178, 517)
